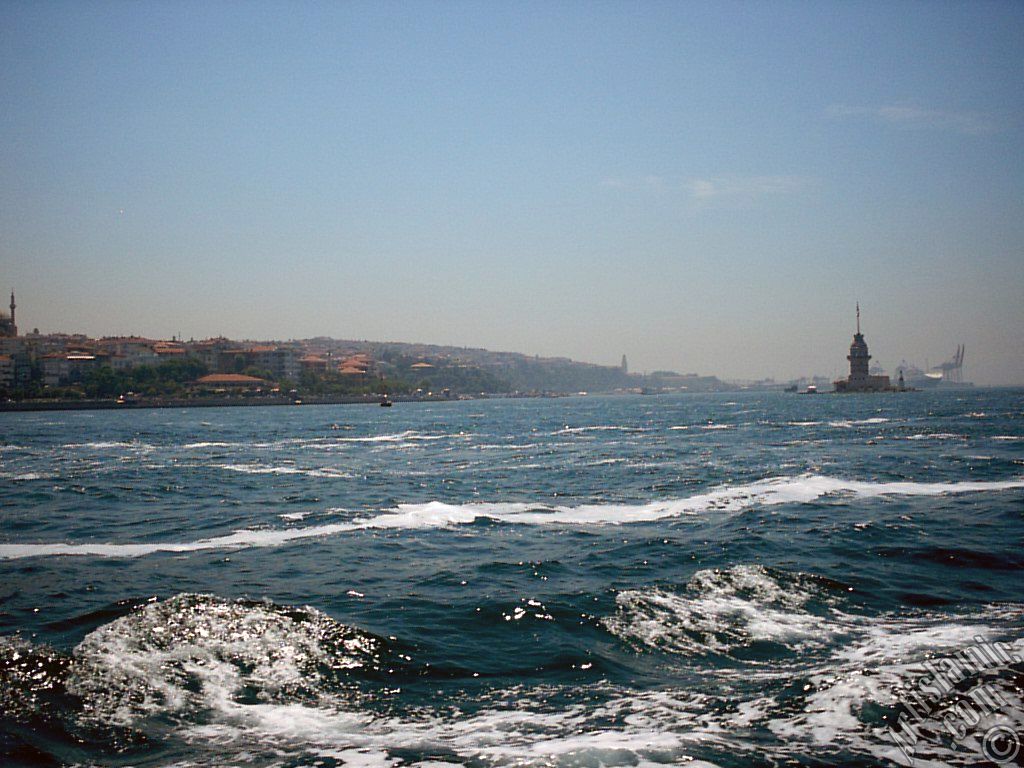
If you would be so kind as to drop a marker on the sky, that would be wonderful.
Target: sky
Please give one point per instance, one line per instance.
(704, 187)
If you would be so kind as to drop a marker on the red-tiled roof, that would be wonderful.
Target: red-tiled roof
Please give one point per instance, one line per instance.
(229, 379)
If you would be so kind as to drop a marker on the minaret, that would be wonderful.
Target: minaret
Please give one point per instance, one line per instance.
(14, 325)
(858, 318)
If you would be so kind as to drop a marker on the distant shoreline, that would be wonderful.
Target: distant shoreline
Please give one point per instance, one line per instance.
(199, 402)
(250, 402)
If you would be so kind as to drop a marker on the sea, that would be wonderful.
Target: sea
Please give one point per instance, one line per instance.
(741, 579)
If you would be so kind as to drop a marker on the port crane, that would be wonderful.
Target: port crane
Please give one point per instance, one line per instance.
(952, 370)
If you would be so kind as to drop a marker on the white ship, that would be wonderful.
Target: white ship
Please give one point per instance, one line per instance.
(948, 375)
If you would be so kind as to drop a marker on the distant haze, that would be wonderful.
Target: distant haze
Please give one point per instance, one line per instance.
(704, 187)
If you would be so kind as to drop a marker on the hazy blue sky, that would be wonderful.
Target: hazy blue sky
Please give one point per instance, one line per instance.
(702, 186)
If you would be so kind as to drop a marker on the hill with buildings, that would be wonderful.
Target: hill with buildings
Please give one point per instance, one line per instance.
(76, 367)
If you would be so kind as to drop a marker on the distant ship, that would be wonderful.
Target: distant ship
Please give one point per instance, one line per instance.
(948, 375)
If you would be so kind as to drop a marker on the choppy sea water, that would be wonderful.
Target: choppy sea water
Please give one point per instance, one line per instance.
(727, 580)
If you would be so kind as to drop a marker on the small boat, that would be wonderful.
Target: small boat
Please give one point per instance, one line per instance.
(811, 390)
(385, 402)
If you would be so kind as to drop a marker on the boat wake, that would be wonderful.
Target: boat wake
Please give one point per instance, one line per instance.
(234, 678)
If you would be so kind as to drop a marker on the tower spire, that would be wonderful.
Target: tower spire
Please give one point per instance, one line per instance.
(858, 318)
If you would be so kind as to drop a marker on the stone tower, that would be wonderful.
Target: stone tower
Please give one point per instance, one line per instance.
(858, 357)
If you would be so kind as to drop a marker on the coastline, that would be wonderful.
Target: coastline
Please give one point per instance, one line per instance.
(200, 402)
(250, 402)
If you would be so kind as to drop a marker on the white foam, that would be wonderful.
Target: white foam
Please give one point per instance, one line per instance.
(323, 441)
(194, 655)
(197, 651)
(24, 476)
(522, 734)
(253, 469)
(847, 423)
(720, 611)
(877, 661)
(435, 514)
(400, 437)
(567, 430)
(604, 462)
(107, 444)
(236, 540)
(890, 650)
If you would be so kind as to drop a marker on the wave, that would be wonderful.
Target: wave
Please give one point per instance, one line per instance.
(231, 677)
(195, 652)
(107, 444)
(234, 678)
(398, 437)
(567, 430)
(251, 469)
(800, 489)
(850, 669)
(721, 611)
(847, 423)
(879, 670)
(24, 476)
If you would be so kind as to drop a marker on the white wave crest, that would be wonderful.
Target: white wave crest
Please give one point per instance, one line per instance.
(257, 674)
(198, 652)
(720, 610)
(847, 423)
(435, 514)
(255, 469)
(101, 445)
(567, 430)
(400, 437)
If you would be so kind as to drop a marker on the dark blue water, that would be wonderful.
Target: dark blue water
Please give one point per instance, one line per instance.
(724, 580)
